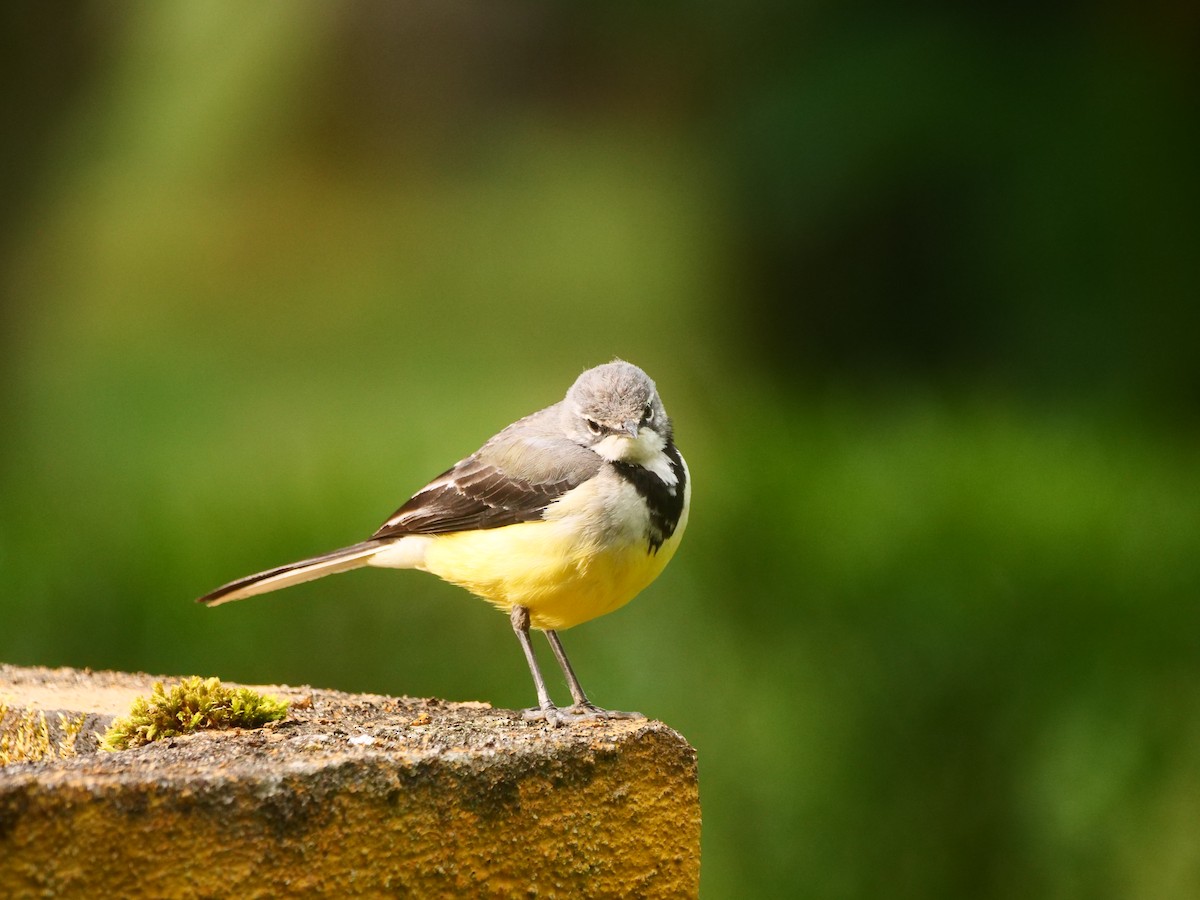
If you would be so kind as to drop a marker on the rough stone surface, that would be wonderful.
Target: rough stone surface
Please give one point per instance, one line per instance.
(350, 795)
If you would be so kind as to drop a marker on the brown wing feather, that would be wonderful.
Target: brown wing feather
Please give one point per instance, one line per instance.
(510, 479)
(474, 495)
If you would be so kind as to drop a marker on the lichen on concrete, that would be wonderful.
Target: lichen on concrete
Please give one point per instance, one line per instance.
(28, 736)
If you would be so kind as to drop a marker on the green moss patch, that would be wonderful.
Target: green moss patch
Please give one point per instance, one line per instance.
(195, 704)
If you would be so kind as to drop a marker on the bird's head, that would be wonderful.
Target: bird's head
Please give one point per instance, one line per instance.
(615, 410)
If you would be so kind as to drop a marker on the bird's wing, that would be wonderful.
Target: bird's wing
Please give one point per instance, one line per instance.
(511, 479)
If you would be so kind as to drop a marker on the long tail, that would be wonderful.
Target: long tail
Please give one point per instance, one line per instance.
(305, 570)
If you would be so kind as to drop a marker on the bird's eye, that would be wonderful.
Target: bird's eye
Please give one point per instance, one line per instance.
(648, 413)
(593, 426)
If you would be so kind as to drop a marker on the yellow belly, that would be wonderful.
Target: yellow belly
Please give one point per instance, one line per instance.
(546, 567)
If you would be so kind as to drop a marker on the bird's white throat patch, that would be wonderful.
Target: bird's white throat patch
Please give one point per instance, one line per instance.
(645, 450)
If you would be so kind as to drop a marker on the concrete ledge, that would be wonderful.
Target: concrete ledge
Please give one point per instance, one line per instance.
(351, 795)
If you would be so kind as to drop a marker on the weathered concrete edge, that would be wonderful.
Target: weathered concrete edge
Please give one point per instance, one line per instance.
(579, 811)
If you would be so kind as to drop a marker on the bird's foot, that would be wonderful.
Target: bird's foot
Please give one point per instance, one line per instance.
(551, 715)
(555, 716)
(584, 711)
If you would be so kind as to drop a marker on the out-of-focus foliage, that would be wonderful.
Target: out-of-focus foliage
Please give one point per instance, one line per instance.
(918, 287)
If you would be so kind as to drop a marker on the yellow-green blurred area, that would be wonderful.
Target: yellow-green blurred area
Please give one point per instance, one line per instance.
(919, 289)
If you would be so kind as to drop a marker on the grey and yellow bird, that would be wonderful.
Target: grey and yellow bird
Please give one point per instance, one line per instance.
(565, 515)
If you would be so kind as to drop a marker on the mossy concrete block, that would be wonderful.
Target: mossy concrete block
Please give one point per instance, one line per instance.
(350, 795)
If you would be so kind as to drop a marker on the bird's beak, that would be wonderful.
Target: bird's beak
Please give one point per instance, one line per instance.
(630, 428)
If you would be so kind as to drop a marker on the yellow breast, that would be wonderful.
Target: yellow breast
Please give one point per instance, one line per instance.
(588, 557)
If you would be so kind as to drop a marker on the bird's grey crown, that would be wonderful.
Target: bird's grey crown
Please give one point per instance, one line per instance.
(613, 396)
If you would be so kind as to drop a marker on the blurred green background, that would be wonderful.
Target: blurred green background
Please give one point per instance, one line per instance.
(920, 290)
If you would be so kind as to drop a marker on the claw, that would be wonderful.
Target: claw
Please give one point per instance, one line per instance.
(551, 715)
(589, 711)
(581, 712)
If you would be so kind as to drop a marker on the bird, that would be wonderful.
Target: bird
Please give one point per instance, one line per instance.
(565, 515)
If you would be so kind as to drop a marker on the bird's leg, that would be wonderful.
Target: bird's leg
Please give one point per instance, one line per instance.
(546, 710)
(560, 654)
(583, 707)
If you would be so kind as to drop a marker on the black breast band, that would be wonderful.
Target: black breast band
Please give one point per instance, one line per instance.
(665, 501)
